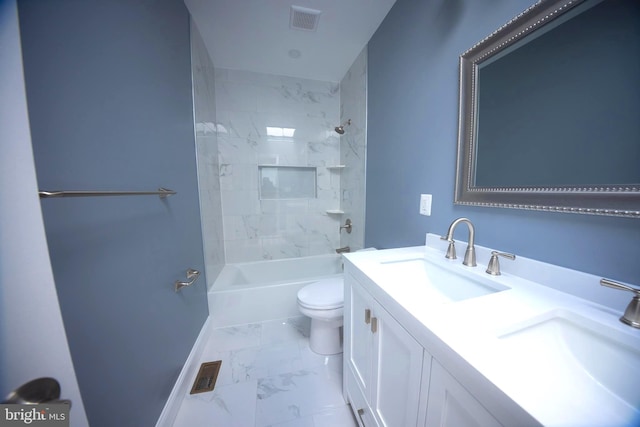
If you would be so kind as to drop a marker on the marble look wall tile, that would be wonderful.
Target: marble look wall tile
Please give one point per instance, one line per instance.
(239, 176)
(322, 247)
(236, 96)
(237, 150)
(285, 153)
(290, 245)
(246, 104)
(243, 250)
(292, 94)
(240, 202)
(237, 227)
(285, 206)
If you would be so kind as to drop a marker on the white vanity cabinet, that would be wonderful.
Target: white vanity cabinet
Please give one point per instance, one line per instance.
(383, 363)
(451, 405)
(391, 379)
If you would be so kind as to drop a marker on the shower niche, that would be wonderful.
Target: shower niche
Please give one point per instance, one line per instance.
(292, 182)
(287, 182)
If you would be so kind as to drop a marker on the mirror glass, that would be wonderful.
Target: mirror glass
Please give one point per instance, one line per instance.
(549, 113)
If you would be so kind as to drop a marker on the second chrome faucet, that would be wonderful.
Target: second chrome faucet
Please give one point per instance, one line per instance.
(470, 253)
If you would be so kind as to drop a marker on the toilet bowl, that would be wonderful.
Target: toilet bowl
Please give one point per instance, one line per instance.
(323, 302)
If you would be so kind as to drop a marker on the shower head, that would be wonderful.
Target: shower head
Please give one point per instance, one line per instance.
(340, 129)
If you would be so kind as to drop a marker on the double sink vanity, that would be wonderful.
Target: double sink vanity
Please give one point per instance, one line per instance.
(429, 341)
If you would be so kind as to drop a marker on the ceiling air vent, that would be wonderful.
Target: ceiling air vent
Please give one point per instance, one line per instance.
(303, 18)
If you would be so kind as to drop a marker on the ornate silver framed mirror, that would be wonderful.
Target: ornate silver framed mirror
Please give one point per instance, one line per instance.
(550, 111)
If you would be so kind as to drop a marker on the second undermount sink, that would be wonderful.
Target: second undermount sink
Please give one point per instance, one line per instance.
(582, 361)
(446, 284)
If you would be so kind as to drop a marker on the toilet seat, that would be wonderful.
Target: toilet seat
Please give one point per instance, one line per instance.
(325, 294)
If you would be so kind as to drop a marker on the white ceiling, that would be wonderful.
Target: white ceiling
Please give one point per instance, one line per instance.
(254, 35)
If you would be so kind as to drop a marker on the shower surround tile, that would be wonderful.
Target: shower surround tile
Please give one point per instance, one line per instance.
(246, 104)
(269, 377)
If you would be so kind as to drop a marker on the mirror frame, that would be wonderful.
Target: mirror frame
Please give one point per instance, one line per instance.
(610, 200)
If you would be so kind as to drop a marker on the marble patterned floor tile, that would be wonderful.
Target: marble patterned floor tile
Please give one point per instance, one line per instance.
(293, 395)
(234, 337)
(310, 359)
(269, 377)
(338, 417)
(298, 422)
(264, 361)
(226, 406)
(283, 330)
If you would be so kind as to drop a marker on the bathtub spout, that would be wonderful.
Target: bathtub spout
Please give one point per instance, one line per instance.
(343, 250)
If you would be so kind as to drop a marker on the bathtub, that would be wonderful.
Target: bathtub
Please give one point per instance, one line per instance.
(265, 290)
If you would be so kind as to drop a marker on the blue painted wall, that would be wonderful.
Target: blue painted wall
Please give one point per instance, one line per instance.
(110, 105)
(412, 134)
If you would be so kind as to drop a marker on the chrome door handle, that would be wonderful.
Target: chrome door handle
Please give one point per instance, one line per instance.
(192, 276)
(367, 316)
(38, 391)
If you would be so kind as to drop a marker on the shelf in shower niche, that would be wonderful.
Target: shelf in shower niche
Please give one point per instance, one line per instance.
(335, 211)
(337, 167)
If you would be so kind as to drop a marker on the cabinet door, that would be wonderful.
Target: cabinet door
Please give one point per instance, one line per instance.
(451, 405)
(397, 372)
(358, 336)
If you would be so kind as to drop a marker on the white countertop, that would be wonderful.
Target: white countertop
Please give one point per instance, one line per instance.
(543, 377)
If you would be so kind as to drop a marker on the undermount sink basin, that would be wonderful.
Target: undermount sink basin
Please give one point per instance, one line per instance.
(447, 285)
(582, 361)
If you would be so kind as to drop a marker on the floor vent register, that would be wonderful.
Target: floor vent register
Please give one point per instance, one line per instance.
(206, 378)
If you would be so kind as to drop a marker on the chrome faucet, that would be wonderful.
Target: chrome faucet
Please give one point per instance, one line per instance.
(343, 250)
(493, 267)
(631, 315)
(470, 254)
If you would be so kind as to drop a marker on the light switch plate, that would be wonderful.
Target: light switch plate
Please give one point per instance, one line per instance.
(425, 204)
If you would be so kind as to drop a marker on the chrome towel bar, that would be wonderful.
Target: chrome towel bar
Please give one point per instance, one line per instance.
(162, 192)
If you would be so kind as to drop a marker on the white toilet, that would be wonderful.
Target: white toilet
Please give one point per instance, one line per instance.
(323, 302)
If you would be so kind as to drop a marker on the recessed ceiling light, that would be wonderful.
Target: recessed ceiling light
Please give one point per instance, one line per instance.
(294, 53)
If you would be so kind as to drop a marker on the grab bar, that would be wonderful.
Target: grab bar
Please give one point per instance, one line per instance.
(162, 192)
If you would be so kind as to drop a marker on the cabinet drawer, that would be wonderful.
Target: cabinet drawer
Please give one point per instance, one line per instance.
(358, 403)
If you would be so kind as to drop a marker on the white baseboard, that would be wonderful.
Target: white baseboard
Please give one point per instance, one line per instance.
(182, 385)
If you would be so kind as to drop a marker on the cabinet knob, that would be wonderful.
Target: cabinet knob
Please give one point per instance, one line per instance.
(367, 316)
